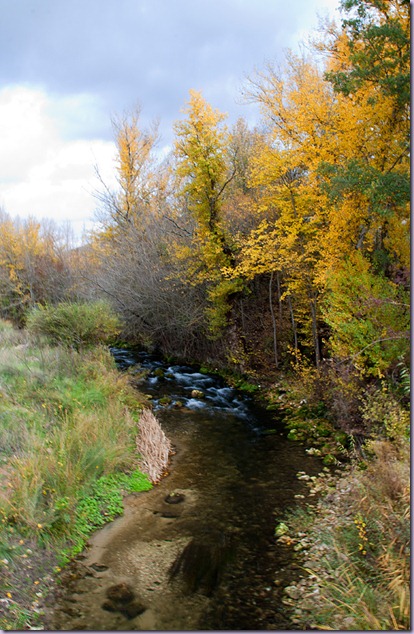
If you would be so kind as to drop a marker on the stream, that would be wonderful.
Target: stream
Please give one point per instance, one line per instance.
(198, 551)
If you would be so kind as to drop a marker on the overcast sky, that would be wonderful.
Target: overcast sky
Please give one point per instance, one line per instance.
(68, 66)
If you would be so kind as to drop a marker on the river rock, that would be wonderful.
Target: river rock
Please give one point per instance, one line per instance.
(133, 609)
(293, 592)
(286, 539)
(99, 567)
(197, 394)
(71, 610)
(169, 515)
(174, 498)
(281, 529)
(120, 593)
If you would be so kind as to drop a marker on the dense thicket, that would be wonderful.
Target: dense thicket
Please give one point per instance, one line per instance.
(258, 248)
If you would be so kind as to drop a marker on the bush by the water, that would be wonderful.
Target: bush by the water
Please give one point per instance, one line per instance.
(75, 324)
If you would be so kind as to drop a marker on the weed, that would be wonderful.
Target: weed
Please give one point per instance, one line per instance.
(384, 415)
(101, 505)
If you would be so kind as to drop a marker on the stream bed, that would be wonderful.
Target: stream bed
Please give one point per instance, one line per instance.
(198, 551)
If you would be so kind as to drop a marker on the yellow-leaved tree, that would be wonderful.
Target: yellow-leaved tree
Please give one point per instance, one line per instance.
(37, 265)
(365, 263)
(204, 171)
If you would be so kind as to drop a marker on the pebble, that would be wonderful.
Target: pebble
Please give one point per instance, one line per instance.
(293, 592)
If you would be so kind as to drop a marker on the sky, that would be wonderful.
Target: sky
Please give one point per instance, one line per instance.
(67, 67)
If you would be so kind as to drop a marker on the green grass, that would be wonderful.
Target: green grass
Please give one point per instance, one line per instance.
(68, 428)
(103, 504)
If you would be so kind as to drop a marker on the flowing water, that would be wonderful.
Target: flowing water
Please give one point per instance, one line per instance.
(198, 551)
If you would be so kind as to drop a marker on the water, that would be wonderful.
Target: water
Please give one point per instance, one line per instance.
(236, 473)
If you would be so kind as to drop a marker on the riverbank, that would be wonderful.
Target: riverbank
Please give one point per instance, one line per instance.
(354, 546)
(68, 430)
(354, 541)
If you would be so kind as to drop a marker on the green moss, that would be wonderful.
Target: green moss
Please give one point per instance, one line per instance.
(307, 425)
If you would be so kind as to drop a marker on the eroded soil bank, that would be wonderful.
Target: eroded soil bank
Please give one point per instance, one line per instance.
(230, 482)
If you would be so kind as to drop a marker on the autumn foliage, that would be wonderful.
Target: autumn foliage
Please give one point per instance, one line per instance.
(257, 248)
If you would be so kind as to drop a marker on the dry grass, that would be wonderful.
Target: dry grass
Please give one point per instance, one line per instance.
(153, 446)
(66, 418)
(68, 427)
(362, 580)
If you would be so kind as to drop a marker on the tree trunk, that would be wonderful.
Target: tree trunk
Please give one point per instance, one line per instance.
(292, 318)
(272, 312)
(279, 295)
(315, 333)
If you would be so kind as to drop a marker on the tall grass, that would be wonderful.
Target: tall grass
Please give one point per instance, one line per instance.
(363, 580)
(69, 423)
(74, 427)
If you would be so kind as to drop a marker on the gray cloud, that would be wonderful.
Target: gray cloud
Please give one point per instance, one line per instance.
(150, 52)
(67, 66)
(146, 51)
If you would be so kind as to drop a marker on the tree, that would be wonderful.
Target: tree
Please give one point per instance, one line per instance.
(301, 124)
(202, 163)
(36, 266)
(369, 70)
(369, 189)
(204, 172)
(369, 317)
(375, 50)
(130, 261)
(136, 173)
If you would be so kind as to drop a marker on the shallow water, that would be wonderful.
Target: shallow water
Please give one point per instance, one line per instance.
(236, 473)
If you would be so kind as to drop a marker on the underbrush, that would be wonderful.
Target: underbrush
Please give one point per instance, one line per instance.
(358, 563)
(69, 423)
(334, 410)
(355, 544)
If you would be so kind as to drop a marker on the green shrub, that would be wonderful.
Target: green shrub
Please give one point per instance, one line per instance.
(75, 325)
